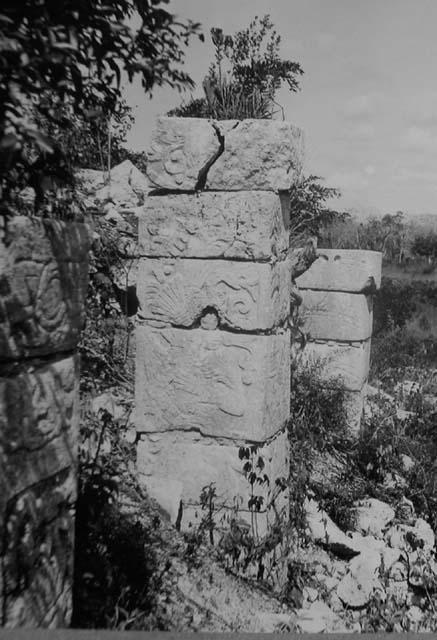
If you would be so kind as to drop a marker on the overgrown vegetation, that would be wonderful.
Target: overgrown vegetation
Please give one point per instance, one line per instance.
(245, 76)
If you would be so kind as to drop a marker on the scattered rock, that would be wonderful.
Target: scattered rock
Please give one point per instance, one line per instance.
(408, 538)
(324, 531)
(356, 588)
(318, 618)
(371, 516)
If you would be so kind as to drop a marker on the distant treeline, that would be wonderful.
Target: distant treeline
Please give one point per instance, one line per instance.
(398, 240)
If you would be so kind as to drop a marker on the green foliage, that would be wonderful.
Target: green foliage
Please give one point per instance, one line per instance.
(425, 245)
(65, 60)
(394, 303)
(310, 213)
(247, 72)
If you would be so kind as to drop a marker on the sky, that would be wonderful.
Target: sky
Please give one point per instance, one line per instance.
(368, 98)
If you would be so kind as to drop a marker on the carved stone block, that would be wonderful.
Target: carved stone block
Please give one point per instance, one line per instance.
(240, 224)
(175, 467)
(229, 155)
(180, 150)
(339, 364)
(343, 270)
(37, 554)
(215, 383)
(39, 417)
(249, 296)
(43, 284)
(258, 154)
(335, 315)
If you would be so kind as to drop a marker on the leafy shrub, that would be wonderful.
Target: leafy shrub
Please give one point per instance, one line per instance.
(247, 73)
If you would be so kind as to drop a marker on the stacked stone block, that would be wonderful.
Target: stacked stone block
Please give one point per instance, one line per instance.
(213, 344)
(43, 282)
(337, 315)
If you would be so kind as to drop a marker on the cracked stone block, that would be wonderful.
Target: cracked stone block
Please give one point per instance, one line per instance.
(196, 154)
(250, 296)
(343, 270)
(175, 466)
(217, 383)
(336, 315)
(258, 155)
(339, 364)
(43, 284)
(180, 149)
(37, 554)
(240, 224)
(39, 419)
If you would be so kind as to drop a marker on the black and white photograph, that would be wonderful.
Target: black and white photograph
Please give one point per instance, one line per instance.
(218, 317)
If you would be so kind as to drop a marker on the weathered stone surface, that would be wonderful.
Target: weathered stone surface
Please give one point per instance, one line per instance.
(176, 466)
(339, 364)
(246, 295)
(180, 149)
(371, 516)
(243, 224)
(39, 418)
(343, 270)
(216, 383)
(258, 154)
(357, 587)
(37, 554)
(335, 315)
(43, 284)
(231, 155)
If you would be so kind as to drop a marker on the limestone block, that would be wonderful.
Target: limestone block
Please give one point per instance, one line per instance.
(175, 466)
(180, 150)
(335, 315)
(344, 365)
(241, 224)
(258, 154)
(39, 417)
(37, 554)
(230, 155)
(216, 383)
(246, 295)
(43, 284)
(343, 270)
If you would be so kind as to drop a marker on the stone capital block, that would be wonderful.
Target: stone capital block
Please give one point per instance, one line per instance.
(175, 467)
(216, 383)
(43, 285)
(343, 270)
(339, 364)
(39, 421)
(240, 224)
(249, 296)
(230, 155)
(336, 315)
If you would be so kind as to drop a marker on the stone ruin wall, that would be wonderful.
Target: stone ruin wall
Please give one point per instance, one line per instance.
(43, 281)
(337, 313)
(213, 344)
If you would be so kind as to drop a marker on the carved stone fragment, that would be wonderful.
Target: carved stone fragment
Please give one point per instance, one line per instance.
(39, 417)
(241, 224)
(258, 154)
(37, 554)
(335, 315)
(215, 383)
(180, 149)
(249, 296)
(342, 270)
(43, 284)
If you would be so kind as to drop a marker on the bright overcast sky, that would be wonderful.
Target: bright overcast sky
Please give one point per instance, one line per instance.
(368, 99)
